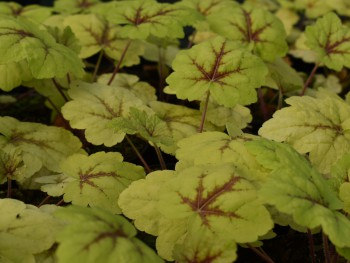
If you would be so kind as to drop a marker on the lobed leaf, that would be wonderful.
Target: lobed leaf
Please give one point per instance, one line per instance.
(37, 142)
(239, 116)
(139, 202)
(143, 18)
(94, 105)
(294, 187)
(13, 74)
(74, 6)
(318, 126)
(219, 67)
(25, 230)
(96, 34)
(95, 235)
(146, 124)
(262, 32)
(140, 89)
(219, 198)
(219, 148)
(181, 122)
(16, 166)
(98, 179)
(206, 8)
(283, 77)
(201, 246)
(313, 8)
(22, 40)
(36, 13)
(330, 40)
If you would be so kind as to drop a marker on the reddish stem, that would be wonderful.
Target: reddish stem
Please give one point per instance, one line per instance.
(117, 67)
(309, 79)
(201, 127)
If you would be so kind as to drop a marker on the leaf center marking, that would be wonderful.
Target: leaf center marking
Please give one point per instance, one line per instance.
(206, 11)
(214, 75)
(84, 4)
(332, 48)
(203, 205)
(112, 235)
(139, 18)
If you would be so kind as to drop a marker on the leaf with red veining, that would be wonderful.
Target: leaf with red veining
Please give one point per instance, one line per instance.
(95, 235)
(74, 6)
(99, 179)
(143, 18)
(331, 41)
(38, 145)
(296, 188)
(96, 34)
(317, 126)
(22, 40)
(219, 66)
(34, 12)
(258, 29)
(203, 246)
(94, 105)
(218, 197)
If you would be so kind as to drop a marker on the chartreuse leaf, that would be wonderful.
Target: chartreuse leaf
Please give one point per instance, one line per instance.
(181, 122)
(265, 4)
(96, 34)
(16, 166)
(54, 185)
(139, 202)
(160, 50)
(218, 66)
(140, 89)
(341, 6)
(339, 178)
(74, 6)
(313, 8)
(149, 126)
(37, 142)
(94, 105)
(218, 198)
(34, 12)
(283, 77)
(288, 17)
(25, 230)
(201, 246)
(214, 198)
(98, 179)
(206, 8)
(330, 40)
(143, 18)
(294, 187)
(318, 126)
(22, 40)
(215, 148)
(330, 83)
(13, 74)
(256, 28)
(95, 235)
(239, 116)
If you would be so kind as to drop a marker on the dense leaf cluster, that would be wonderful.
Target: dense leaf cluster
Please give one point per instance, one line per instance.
(230, 186)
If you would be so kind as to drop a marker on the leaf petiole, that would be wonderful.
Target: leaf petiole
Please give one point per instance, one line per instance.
(97, 66)
(160, 157)
(309, 79)
(145, 165)
(201, 127)
(117, 67)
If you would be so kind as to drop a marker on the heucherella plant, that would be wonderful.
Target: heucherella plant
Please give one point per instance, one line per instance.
(194, 131)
